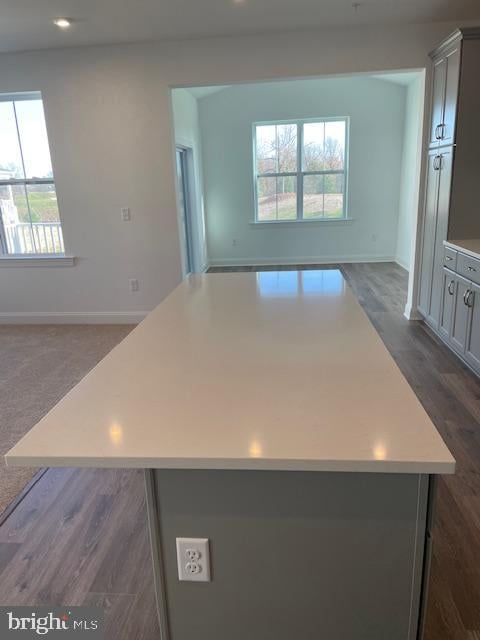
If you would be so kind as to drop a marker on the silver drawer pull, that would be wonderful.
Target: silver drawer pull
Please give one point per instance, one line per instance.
(448, 258)
(471, 268)
(470, 297)
(451, 287)
(466, 294)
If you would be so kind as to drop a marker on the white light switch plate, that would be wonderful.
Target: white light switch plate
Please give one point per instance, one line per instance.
(193, 559)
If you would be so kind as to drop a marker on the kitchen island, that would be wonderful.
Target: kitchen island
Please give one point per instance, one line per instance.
(271, 420)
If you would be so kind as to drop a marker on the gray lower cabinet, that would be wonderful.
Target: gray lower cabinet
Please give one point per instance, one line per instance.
(459, 322)
(444, 160)
(449, 284)
(472, 346)
(435, 233)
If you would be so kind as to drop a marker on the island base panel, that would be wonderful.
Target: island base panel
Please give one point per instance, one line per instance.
(293, 554)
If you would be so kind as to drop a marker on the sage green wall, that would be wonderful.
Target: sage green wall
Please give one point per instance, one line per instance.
(376, 109)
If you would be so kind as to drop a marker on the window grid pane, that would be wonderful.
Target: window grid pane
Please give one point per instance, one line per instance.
(277, 198)
(28, 211)
(323, 196)
(320, 151)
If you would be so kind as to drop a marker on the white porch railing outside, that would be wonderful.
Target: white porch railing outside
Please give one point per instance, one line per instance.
(38, 237)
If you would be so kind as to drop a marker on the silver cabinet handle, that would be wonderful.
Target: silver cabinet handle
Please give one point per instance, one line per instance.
(470, 298)
(437, 162)
(437, 137)
(471, 268)
(451, 287)
(466, 293)
(448, 258)
(443, 126)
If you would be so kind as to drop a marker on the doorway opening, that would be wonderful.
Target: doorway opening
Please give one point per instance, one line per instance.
(185, 209)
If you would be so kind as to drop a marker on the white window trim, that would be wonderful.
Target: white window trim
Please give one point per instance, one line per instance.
(299, 174)
(36, 260)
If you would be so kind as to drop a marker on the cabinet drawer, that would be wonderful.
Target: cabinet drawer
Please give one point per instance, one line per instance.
(468, 267)
(450, 258)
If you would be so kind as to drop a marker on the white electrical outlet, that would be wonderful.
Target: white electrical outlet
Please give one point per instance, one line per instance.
(125, 213)
(193, 559)
(134, 285)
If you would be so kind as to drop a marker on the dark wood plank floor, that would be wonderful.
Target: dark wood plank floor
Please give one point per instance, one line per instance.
(80, 536)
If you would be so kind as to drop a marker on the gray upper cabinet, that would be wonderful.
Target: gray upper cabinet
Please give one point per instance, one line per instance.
(438, 98)
(447, 130)
(446, 74)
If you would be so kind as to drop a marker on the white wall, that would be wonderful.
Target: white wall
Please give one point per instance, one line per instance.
(376, 111)
(187, 134)
(108, 114)
(411, 159)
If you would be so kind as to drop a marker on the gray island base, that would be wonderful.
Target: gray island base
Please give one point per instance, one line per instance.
(310, 555)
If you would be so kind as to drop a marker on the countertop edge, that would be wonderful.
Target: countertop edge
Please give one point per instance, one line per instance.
(457, 247)
(347, 466)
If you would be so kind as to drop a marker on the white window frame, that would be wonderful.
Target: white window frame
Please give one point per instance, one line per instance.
(25, 182)
(299, 173)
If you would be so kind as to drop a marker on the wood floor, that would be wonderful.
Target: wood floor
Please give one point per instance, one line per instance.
(80, 536)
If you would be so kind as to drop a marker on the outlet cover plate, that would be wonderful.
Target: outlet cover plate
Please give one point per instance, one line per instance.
(193, 559)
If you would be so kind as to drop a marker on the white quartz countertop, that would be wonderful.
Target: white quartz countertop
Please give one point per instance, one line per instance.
(470, 247)
(275, 370)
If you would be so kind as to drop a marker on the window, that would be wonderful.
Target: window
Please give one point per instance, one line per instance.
(300, 170)
(29, 219)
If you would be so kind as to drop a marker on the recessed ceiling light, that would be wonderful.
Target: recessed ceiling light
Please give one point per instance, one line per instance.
(62, 23)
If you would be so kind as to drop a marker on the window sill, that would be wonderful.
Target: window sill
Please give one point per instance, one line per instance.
(327, 221)
(47, 260)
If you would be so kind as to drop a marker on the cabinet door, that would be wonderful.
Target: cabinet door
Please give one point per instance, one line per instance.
(438, 98)
(444, 164)
(472, 351)
(446, 312)
(447, 131)
(428, 235)
(458, 336)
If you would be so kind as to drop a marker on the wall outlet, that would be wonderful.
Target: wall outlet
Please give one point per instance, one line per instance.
(234, 242)
(134, 284)
(193, 559)
(125, 214)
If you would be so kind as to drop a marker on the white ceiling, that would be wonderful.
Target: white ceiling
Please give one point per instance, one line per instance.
(404, 78)
(201, 92)
(26, 24)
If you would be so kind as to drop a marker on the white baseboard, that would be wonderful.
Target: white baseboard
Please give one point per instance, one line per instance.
(74, 317)
(412, 313)
(238, 262)
(402, 264)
